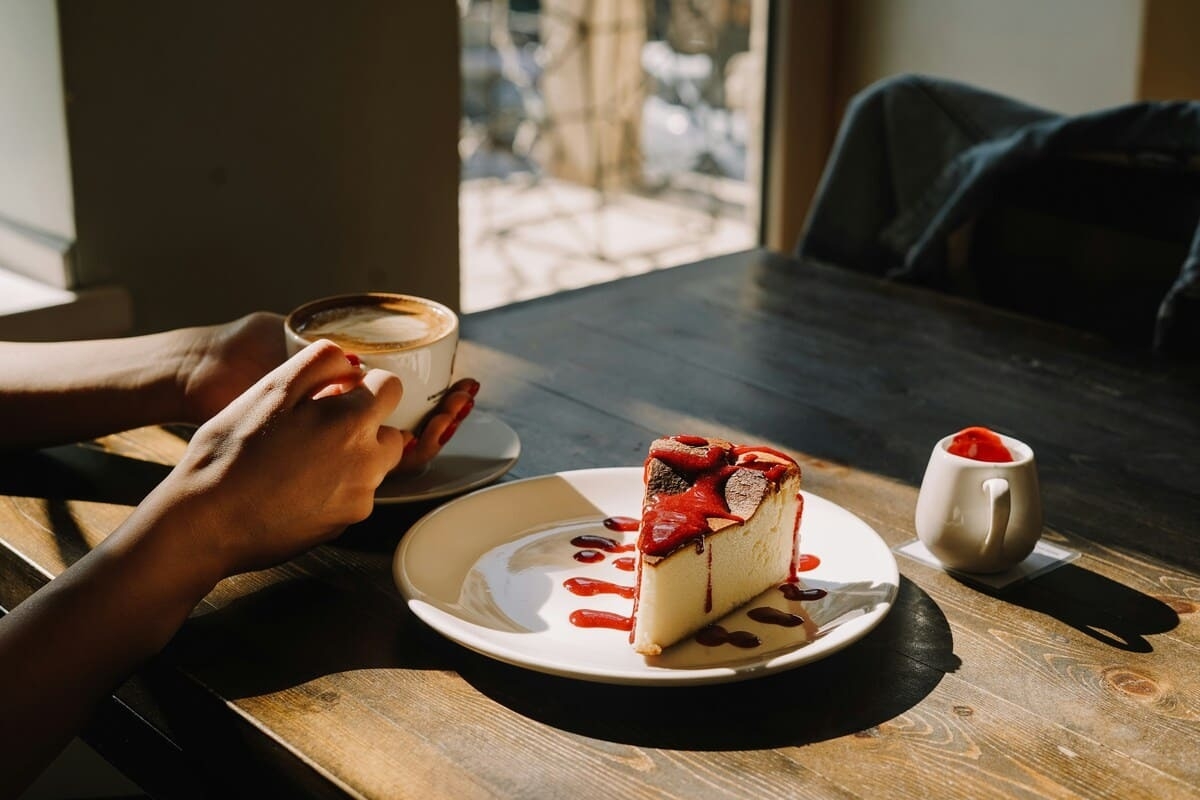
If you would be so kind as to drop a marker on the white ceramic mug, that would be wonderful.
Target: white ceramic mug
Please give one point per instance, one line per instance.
(980, 516)
(412, 337)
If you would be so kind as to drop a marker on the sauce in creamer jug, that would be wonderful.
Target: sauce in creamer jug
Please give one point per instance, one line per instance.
(979, 444)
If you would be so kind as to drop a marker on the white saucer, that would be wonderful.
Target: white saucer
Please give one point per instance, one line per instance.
(481, 450)
(487, 570)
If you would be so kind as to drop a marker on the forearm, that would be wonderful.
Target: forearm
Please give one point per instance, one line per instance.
(79, 637)
(280, 468)
(57, 392)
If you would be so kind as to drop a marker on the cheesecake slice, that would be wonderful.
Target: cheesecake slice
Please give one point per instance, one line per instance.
(720, 525)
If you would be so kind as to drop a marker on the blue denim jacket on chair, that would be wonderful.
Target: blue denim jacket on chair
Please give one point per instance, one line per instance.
(917, 157)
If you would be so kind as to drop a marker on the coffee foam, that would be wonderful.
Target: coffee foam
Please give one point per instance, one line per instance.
(377, 327)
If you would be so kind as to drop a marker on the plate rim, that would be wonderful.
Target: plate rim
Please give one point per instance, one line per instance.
(464, 632)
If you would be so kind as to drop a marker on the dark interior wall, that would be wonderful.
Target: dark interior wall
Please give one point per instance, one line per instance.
(228, 156)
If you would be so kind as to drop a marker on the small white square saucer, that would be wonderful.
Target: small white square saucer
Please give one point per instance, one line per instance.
(1045, 557)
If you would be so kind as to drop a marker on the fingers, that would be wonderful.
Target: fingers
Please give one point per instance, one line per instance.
(340, 387)
(452, 410)
(468, 386)
(372, 395)
(322, 370)
(454, 407)
(311, 371)
(392, 444)
(387, 391)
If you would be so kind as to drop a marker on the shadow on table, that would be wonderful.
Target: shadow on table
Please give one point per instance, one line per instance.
(336, 610)
(1109, 612)
(79, 472)
(306, 625)
(850, 692)
(302, 628)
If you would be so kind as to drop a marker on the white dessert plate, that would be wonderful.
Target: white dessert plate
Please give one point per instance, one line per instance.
(481, 450)
(487, 571)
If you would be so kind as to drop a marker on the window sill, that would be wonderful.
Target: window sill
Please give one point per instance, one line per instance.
(32, 311)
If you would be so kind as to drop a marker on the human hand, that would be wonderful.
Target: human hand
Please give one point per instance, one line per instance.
(222, 361)
(440, 426)
(289, 463)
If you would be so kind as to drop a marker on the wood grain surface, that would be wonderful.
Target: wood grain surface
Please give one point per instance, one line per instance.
(314, 679)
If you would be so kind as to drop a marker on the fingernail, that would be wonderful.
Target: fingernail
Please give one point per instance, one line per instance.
(354, 360)
(473, 388)
(411, 445)
(446, 434)
(462, 412)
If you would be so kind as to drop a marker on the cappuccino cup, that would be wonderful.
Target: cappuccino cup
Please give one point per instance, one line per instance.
(979, 508)
(411, 337)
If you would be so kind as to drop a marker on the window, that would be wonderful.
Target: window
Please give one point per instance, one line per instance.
(603, 138)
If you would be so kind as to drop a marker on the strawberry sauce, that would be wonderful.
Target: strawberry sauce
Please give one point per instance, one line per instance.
(979, 444)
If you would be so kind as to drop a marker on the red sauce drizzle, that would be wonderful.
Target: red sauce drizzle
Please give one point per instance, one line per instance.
(589, 556)
(793, 592)
(675, 520)
(715, 635)
(625, 563)
(748, 449)
(708, 588)
(604, 543)
(773, 616)
(688, 461)
(798, 560)
(807, 562)
(979, 444)
(588, 587)
(672, 521)
(622, 524)
(590, 618)
(691, 441)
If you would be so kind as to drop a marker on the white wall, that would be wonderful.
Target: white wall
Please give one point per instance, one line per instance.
(35, 176)
(1066, 55)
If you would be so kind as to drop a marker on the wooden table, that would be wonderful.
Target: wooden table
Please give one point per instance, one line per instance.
(315, 679)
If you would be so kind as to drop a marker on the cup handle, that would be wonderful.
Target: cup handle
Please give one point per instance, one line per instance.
(1000, 504)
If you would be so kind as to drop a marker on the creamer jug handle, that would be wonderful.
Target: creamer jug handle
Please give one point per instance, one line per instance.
(1000, 504)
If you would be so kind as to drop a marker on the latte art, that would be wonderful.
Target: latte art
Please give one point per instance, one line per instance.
(377, 327)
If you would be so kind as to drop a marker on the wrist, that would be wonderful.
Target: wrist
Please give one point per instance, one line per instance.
(179, 530)
(188, 352)
(147, 371)
(158, 557)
